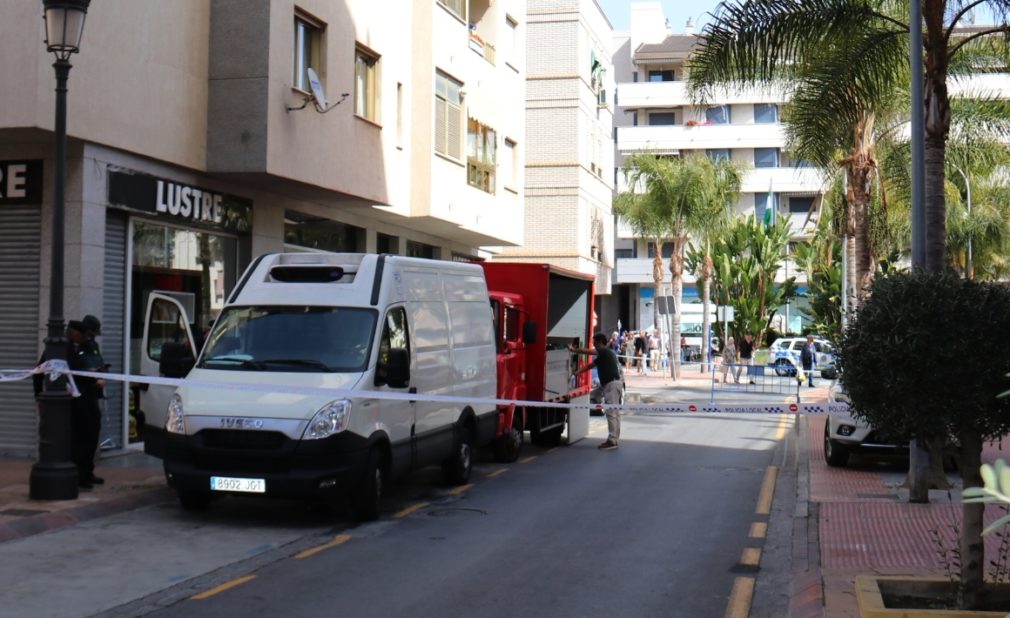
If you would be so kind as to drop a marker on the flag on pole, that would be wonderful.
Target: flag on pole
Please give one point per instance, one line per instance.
(769, 218)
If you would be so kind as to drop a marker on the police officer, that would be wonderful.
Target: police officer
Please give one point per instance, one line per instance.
(85, 411)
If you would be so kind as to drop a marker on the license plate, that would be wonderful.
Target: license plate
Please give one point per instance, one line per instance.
(228, 483)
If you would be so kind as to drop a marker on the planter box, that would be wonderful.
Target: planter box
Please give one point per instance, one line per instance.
(874, 593)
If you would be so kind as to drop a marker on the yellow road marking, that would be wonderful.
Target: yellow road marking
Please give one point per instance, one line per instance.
(764, 505)
(458, 490)
(758, 530)
(340, 539)
(410, 509)
(225, 586)
(784, 423)
(551, 450)
(740, 598)
(528, 459)
(497, 472)
(751, 556)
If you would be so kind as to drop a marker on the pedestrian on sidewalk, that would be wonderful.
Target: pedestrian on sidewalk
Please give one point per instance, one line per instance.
(609, 372)
(807, 356)
(728, 360)
(654, 350)
(746, 358)
(628, 350)
(85, 411)
(640, 339)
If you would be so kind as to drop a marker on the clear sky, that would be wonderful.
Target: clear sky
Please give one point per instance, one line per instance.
(677, 12)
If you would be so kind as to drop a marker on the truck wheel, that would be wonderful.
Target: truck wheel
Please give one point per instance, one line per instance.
(835, 454)
(458, 467)
(367, 496)
(507, 447)
(194, 500)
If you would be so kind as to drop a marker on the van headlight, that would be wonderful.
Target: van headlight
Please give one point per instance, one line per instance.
(330, 419)
(175, 423)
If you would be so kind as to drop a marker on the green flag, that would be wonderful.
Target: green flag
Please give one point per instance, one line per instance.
(769, 218)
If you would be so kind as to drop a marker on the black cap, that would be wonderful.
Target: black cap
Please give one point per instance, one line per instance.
(92, 324)
(76, 325)
(602, 337)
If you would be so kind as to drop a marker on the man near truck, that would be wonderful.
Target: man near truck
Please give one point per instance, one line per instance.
(610, 384)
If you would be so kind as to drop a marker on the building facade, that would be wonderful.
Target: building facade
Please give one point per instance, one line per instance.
(195, 144)
(569, 152)
(655, 114)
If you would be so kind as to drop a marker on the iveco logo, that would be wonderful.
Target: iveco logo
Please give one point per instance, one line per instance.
(242, 423)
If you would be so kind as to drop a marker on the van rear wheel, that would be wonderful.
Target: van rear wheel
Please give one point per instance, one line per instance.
(458, 467)
(367, 496)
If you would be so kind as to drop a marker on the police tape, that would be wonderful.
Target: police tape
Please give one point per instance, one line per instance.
(55, 368)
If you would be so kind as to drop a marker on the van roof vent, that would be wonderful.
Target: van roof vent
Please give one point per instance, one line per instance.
(312, 273)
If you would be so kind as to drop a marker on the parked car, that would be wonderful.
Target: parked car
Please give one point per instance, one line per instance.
(844, 434)
(784, 355)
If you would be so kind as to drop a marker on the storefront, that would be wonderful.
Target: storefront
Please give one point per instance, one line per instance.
(180, 240)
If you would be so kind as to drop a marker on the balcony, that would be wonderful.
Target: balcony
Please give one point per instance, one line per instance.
(482, 47)
(783, 180)
(639, 270)
(671, 139)
(643, 95)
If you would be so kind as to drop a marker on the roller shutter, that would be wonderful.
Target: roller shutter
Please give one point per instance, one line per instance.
(113, 326)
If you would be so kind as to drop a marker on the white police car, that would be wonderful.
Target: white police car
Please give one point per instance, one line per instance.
(784, 355)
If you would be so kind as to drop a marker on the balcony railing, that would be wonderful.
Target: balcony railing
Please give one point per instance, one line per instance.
(482, 47)
(671, 139)
(641, 95)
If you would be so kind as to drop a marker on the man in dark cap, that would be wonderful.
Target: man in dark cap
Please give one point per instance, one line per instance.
(86, 411)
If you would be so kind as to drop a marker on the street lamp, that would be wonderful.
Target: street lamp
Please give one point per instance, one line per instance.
(53, 476)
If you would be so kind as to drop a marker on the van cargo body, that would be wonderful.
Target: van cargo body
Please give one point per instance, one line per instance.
(369, 324)
(539, 310)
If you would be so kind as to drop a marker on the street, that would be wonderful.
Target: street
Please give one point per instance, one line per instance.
(669, 524)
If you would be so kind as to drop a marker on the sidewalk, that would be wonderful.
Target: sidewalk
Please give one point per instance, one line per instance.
(132, 480)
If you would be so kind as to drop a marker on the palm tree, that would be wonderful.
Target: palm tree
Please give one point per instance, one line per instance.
(647, 219)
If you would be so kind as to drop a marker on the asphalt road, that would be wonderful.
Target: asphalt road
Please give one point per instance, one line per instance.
(662, 526)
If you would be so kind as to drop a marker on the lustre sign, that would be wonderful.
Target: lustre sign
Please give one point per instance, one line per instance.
(186, 203)
(20, 182)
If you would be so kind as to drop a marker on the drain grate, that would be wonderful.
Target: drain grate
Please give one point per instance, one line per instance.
(455, 512)
(22, 512)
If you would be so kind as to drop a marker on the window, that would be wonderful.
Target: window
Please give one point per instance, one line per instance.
(509, 43)
(634, 76)
(480, 156)
(448, 116)
(766, 157)
(717, 154)
(384, 243)
(766, 113)
(717, 115)
(800, 205)
(662, 119)
(761, 203)
(634, 119)
(508, 164)
(308, 51)
(456, 7)
(394, 335)
(421, 250)
(667, 249)
(623, 253)
(399, 115)
(660, 76)
(312, 232)
(366, 84)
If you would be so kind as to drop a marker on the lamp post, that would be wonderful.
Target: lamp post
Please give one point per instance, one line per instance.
(53, 476)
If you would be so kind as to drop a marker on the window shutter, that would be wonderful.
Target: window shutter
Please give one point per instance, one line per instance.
(440, 125)
(454, 130)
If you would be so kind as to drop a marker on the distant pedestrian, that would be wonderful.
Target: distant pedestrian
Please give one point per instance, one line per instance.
(728, 360)
(807, 357)
(683, 349)
(746, 358)
(85, 411)
(640, 344)
(629, 350)
(611, 384)
(654, 346)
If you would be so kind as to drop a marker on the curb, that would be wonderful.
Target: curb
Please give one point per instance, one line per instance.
(807, 590)
(44, 522)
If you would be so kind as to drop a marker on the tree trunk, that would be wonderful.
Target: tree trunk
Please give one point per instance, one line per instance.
(937, 126)
(706, 279)
(972, 548)
(935, 206)
(677, 278)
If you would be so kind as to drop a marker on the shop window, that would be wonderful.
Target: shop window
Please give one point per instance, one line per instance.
(308, 50)
(421, 250)
(766, 113)
(303, 231)
(448, 115)
(481, 156)
(718, 114)
(766, 157)
(366, 85)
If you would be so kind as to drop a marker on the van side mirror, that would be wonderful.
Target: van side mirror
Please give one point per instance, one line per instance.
(397, 368)
(529, 332)
(176, 360)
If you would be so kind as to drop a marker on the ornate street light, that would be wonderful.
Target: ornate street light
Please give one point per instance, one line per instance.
(53, 476)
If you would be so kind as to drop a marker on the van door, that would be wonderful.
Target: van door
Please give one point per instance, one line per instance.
(396, 415)
(165, 321)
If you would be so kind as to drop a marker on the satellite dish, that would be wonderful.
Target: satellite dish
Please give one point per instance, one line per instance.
(317, 88)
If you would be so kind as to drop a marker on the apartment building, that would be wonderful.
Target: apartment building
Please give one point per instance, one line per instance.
(569, 151)
(195, 144)
(655, 114)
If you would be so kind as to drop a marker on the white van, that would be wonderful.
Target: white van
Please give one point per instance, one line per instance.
(363, 322)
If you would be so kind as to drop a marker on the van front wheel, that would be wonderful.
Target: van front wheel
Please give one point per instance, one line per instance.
(458, 467)
(367, 496)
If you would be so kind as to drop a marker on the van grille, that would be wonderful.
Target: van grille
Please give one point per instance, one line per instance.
(236, 439)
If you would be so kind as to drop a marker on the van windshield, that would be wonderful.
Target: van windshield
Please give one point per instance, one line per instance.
(291, 338)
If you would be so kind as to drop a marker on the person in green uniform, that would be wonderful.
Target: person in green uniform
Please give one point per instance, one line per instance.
(85, 411)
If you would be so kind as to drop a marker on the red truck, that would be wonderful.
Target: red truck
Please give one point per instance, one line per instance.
(539, 309)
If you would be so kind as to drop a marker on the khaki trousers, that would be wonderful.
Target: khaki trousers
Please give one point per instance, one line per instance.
(612, 394)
